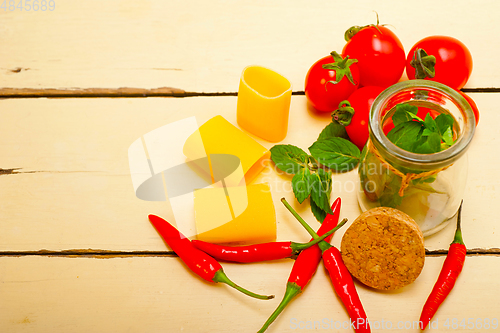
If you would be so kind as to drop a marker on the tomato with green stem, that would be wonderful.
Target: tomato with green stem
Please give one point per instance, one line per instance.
(331, 80)
(380, 53)
(442, 59)
(354, 114)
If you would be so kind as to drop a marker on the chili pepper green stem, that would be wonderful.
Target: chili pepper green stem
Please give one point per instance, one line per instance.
(297, 216)
(303, 246)
(458, 233)
(292, 290)
(322, 244)
(220, 276)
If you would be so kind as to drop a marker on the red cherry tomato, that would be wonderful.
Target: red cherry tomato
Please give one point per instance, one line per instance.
(325, 96)
(381, 56)
(453, 64)
(361, 101)
(472, 105)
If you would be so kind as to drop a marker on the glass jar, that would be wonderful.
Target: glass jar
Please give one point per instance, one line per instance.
(428, 187)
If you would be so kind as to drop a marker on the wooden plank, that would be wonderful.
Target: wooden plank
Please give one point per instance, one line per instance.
(41, 294)
(202, 46)
(91, 92)
(66, 182)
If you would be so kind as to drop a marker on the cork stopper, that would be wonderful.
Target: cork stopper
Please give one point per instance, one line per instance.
(384, 249)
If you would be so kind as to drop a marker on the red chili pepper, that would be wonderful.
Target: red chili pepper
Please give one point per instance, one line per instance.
(344, 287)
(305, 265)
(198, 261)
(450, 271)
(257, 252)
(341, 278)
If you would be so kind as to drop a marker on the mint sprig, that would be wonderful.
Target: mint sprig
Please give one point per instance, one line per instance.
(336, 153)
(404, 113)
(312, 174)
(301, 184)
(419, 136)
(416, 135)
(333, 130)
(289, 158)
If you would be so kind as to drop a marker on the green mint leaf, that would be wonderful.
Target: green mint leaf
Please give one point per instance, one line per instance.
(430, 124)
(333, 130)
(321, 186)
(406, 134)
(390, 196)
(428, 179)
(301, 184)
(407, 107)
(426, 132)
(414, 117)
(336, 153)
(448, 136)
(289, 158)
(444, 123)
(318, 213)
(432, 144)
(389, 199)
(326, 179)
(403, 113)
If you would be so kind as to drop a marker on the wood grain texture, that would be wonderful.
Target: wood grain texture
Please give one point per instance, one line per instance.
(160, 295)
(203, 46)
(91, 92)
(69, 184)
(77, 253)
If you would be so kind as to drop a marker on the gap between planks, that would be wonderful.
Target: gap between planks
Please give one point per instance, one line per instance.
(108, 254)
(139, 92)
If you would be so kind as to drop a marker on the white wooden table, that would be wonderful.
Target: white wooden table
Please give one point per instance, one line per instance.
(80, 83)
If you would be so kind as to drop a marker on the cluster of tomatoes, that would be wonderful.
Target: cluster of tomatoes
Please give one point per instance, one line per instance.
(373, 59)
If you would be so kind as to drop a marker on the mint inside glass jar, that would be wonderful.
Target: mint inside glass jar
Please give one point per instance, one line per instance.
(427, 186)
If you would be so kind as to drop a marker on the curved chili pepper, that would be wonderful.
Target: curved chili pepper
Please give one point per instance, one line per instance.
(198, 261)
(450, 271)
(341, 278)
(305, 266)
(257, 252)
(344, 287)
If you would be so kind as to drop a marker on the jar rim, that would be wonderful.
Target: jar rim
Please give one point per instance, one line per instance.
(451, 153)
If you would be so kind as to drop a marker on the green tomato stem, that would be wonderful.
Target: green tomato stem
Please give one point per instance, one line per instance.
(423, 64)
(343, 115)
